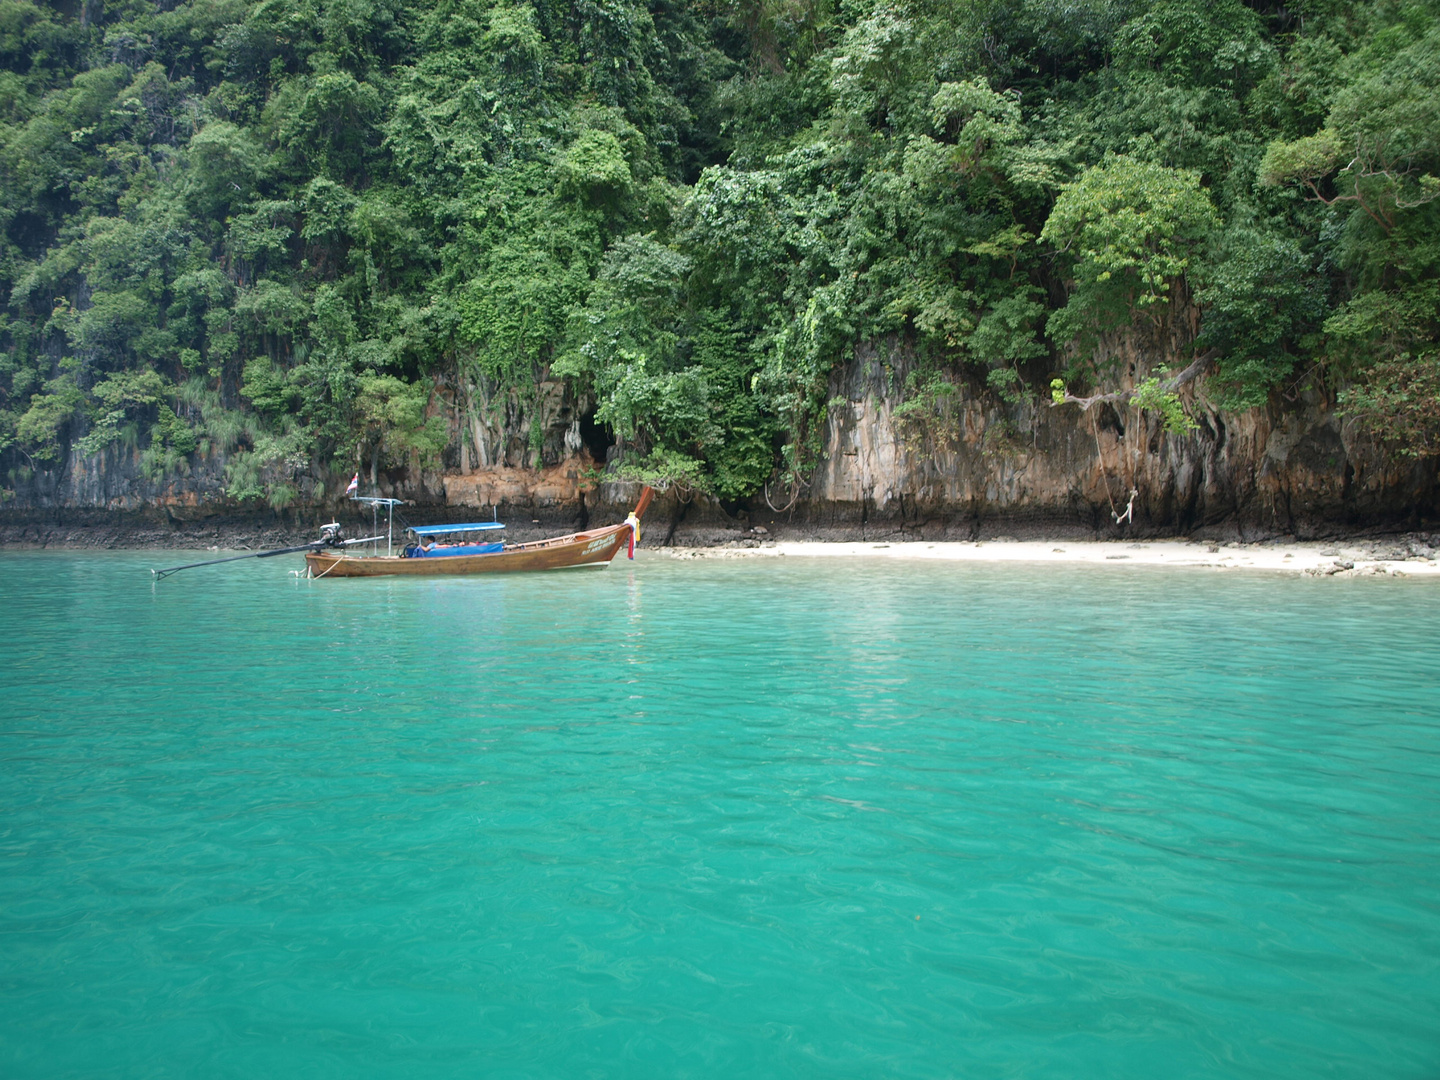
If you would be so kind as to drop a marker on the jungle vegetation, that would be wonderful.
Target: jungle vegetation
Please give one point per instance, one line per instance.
(277, 230)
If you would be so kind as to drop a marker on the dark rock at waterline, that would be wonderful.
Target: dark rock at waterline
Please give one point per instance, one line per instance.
(984, 469)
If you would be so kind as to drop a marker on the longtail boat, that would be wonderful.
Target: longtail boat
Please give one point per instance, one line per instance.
(594, 547)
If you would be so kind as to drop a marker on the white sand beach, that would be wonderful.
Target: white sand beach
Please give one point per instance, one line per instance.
(1355, 558)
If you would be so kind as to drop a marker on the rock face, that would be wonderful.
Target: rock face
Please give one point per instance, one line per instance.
(1299, 470)
(959, 464)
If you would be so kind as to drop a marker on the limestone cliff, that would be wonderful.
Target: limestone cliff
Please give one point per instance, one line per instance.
(968, 465)
(1294, 467)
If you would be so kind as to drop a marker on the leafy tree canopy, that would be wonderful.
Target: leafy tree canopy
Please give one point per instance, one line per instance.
(296, 232)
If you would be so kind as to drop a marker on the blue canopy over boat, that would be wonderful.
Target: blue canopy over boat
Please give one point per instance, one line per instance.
(436, 530)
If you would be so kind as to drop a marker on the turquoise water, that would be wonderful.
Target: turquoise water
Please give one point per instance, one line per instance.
(774, 818)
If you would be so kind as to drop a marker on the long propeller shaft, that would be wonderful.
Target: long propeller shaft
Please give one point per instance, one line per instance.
(314, 545)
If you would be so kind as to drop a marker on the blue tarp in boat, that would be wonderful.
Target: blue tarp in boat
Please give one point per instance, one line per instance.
(459, 549)
(436, 530)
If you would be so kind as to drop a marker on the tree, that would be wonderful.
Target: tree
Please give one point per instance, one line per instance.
(1130, 231)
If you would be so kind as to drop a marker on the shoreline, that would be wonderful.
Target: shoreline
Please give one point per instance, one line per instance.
(1405, 557)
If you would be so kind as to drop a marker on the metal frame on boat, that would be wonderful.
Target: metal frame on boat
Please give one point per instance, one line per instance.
(594, 547)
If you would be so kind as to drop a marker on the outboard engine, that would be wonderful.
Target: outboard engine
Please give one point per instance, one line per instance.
(332, 535)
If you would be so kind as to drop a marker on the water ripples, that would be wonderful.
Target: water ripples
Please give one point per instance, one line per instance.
(734, 818)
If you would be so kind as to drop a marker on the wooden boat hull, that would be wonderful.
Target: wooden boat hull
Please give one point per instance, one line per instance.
(593, 548)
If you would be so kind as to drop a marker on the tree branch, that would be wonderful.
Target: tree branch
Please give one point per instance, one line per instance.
(1197, 368)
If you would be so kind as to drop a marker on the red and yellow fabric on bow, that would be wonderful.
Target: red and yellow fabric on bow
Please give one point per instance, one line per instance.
(634, 523)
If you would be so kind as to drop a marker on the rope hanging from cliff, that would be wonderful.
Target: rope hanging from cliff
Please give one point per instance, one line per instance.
(795, 496)
(1100, 457)
(1128, 517)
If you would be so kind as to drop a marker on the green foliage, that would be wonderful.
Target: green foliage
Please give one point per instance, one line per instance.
(268, 388)
(665, 468)
(1306, 159)
(1150, 395)
(1215, 43)
(267, 469)
(1007, 384)
(124, 398)
(926, 417)
(277, 231)
(1374, 170)
(1006, 333)
(391, 413)
(1399, 401)
(595, 168)
(1262, 306)
(672, 379)
(1131, 230)
(40, 425)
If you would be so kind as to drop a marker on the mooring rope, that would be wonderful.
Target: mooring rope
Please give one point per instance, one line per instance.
(317, 577)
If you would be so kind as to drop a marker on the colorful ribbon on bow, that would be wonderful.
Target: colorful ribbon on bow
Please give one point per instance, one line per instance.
(634, 523)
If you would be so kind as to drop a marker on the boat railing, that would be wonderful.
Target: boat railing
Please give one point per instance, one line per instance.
(375, 503)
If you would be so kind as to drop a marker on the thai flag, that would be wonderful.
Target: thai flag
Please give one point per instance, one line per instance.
(354, 485)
